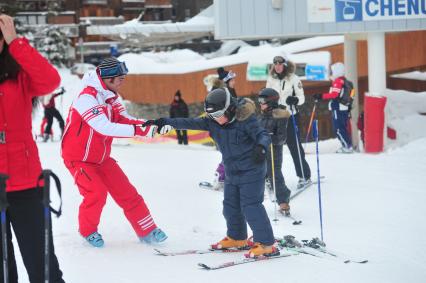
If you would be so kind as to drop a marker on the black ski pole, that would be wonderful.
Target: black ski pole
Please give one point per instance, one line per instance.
(45, 175)
(3, 207)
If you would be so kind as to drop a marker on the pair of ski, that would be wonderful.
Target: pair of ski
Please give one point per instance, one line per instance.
(288, 247)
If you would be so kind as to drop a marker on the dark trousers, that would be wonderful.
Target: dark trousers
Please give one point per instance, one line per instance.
(340, 126)
(292, 146)
(182, 136)
(281, 191)
(243, 202)
(25, 213)
(49, 113)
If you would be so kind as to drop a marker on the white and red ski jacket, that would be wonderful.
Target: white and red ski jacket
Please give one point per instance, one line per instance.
(94, 119)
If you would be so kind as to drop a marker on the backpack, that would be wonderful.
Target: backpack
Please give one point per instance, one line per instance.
(347, 93)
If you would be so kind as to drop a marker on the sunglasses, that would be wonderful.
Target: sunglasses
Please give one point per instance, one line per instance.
(278, 60)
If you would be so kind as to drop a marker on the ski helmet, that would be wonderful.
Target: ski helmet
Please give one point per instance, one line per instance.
(219, 102)
(270, 97)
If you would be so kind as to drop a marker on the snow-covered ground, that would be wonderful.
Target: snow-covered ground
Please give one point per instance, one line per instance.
(373, 207)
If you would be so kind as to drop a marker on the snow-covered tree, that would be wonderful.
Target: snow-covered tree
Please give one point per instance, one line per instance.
(54, 45)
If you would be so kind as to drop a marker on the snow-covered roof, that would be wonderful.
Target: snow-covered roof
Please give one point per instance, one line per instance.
(186, 61)
(415, 75)
(142, 34)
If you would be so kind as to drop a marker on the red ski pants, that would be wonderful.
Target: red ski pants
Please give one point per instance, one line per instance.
(94, 182)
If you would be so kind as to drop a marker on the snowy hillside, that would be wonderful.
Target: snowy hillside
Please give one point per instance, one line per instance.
(373, 207)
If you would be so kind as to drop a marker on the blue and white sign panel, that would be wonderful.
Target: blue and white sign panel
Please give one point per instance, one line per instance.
(323, 11)
(316, 73)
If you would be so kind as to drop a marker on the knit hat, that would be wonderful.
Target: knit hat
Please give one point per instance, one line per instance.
(111, 67)
(225, 75)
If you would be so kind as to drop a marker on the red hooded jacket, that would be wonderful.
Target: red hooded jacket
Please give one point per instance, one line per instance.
(18, 152)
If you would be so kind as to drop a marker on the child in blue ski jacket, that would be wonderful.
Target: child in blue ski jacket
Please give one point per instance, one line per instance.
(243, 143)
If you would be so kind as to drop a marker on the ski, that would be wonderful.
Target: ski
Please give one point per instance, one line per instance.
(318, 245)
(200, 251)
(244, 260)
(209, 186)
(289, 216)
(315, 247)
(296, 192)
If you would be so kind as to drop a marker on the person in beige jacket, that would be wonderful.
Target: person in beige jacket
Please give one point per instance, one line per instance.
(283, 79)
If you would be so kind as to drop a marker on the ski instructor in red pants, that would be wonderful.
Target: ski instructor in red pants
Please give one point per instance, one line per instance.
(95, 118)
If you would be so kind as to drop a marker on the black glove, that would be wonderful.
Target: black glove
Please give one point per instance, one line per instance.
(61, 91)
(160, 123)
(292, 100)
(259, 154)
(317, 96)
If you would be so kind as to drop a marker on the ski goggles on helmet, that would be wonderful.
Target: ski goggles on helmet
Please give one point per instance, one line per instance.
(117, 70)
(220, 113)
(278, 60)
(262, 100)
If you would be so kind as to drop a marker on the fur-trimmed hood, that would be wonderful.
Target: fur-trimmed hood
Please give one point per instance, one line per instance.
(279, 113)
(245, 109)
(216, 83)
(289, 70)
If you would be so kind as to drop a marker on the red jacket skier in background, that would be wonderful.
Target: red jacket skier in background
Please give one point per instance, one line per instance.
(24, 76)
(51, 112)
(94, 119)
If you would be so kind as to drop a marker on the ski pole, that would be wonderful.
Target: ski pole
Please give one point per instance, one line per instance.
(310, 122)
(273, 182)
(297, 141)
(45, 175)
(3, 207)
(316, 135)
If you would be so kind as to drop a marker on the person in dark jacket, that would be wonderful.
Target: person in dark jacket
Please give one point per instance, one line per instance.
(179, 109)
(228, 78)
(224, 79)
(274, 119)
(51, 112)
(24, 76)
(243, 143)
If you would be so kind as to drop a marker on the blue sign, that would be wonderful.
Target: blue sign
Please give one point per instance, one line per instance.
(348, 10)
(315, 73)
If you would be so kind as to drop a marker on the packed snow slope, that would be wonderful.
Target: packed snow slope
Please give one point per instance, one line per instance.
(373, 208)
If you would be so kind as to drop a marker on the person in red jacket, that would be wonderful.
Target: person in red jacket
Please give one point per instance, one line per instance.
(94, 119)
(340, 112)
(51, 112)
(24, 75)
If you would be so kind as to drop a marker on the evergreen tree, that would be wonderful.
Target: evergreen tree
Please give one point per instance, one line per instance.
(54, 45)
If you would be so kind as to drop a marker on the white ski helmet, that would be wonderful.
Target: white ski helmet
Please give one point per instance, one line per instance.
(337, 70)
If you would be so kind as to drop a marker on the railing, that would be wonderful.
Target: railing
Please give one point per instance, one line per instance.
(95, 2)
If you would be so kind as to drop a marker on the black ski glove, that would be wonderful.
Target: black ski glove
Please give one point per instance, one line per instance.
(259, 154)
(160, 123)
(317, 96)
(292, 100)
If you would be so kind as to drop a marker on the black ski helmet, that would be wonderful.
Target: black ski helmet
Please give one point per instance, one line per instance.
(270, 97)
(219, 102)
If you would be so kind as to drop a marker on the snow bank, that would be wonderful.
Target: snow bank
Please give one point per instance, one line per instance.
(403, 113)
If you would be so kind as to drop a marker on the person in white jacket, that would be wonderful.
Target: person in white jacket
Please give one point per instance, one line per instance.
(283, 79)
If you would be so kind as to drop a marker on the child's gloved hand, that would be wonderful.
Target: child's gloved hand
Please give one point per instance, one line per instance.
(162, 128)
(259, 154)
